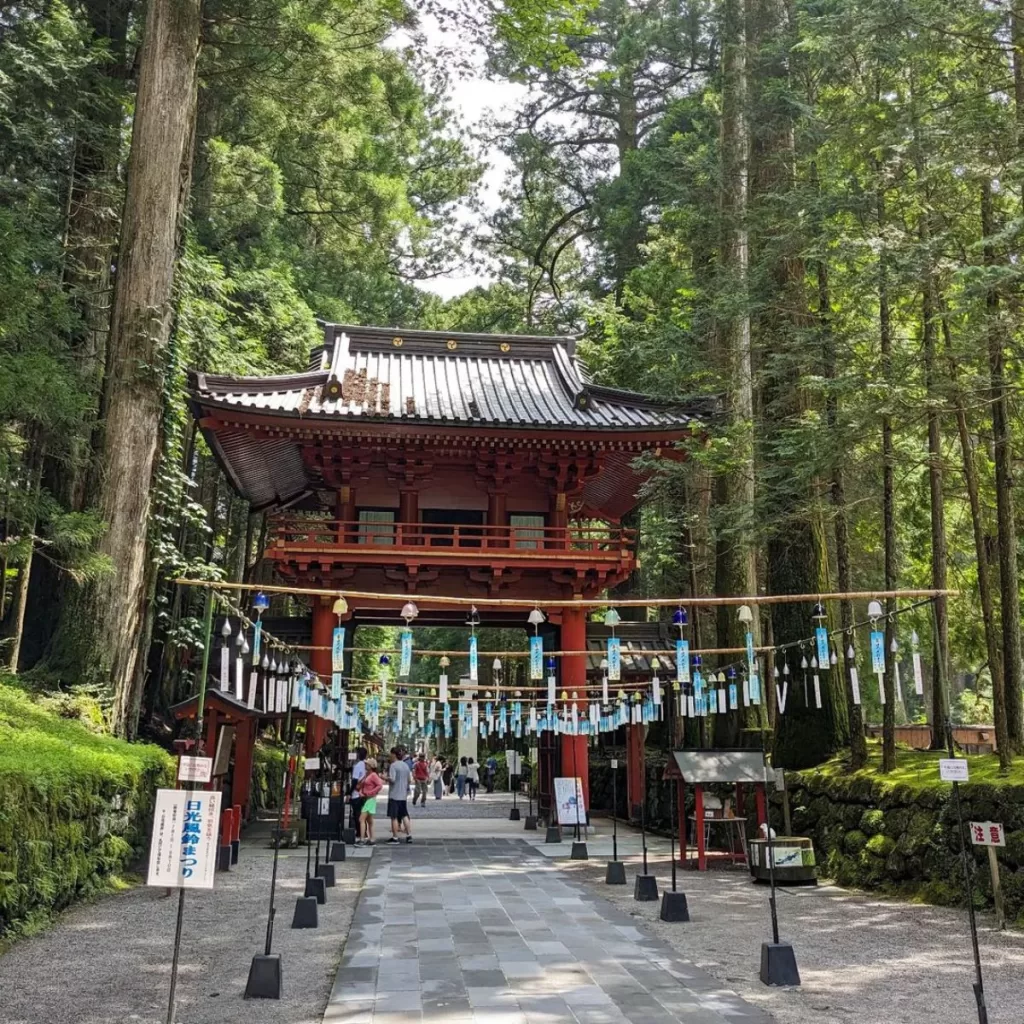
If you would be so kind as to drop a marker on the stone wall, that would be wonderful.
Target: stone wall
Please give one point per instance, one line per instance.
(903, 839)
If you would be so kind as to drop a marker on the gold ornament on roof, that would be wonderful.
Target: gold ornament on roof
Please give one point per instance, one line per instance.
(505, 347)
(397, 342)
(452, 344)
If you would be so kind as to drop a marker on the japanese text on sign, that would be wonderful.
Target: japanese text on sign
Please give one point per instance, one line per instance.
(195, 769)
(987, 833)
(953, 769)
(183, 846)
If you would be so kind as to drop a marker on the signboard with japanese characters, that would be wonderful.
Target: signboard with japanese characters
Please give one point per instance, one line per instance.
(987, 833)
(570, 802)
(195, 769)
(183, 846)
(953, 769)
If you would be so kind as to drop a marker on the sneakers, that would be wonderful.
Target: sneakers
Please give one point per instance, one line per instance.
(393, 841)
(408, 839)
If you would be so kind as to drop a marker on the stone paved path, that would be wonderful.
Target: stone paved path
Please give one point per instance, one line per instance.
(487, 931)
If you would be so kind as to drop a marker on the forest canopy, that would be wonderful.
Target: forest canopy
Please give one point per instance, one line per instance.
(810, 212)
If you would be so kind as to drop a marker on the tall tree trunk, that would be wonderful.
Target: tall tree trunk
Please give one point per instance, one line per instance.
(735, 551)
(888, 494)
(19, 603)
(981, 554)
(1005, 513)
(837, 492)
(937, 494)
(101, 625)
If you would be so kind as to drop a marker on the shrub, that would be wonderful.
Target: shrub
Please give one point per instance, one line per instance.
(75, 807)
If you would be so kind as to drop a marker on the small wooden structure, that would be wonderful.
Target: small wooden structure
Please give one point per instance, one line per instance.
(230, 737)
(700, 768)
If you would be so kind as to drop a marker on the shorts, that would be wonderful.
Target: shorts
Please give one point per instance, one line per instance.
(398, 810)
(357, 805)
(369, 806)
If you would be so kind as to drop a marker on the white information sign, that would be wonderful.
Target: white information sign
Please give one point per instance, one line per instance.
(312, 764)
(987, 833)
(953, 769)
(514, 760)
(570, 802)
(195, 769)
(183, 846)
(614, 763)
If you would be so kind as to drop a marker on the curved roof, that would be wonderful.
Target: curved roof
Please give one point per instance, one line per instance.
(431, 377)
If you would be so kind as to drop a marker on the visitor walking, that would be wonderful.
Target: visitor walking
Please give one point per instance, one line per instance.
(472, 778)
(398, 797)
(420, 776)
(448, 776)
(369, 786)
(491, 767)
(437, 776)
(358, 772)
(461, 774)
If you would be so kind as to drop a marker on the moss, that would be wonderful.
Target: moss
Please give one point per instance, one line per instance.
(75, 807)
(872, 822)
(854, 841)
(880, 846)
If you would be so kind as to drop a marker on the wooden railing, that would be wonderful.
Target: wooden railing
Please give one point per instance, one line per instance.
(321, 534)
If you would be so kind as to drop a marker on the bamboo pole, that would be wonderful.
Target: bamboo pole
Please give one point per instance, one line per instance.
(642, 602)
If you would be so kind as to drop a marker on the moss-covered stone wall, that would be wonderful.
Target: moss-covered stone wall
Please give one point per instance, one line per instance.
(903, 839)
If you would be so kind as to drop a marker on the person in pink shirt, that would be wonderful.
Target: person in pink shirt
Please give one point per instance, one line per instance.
(369, 786)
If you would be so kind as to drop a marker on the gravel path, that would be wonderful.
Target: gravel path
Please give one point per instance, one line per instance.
(861, 958)
(109, 962)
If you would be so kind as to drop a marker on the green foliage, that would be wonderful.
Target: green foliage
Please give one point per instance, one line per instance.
(75, 805)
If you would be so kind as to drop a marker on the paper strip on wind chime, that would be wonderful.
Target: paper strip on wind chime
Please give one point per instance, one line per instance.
(614, 658)
(918, 674)
(338, 649)
(253, 677)
(877, 651)
(474, 667)
(821, 639)
(536, 657)
(225, 656)
(442, 688)
(335, 685)
(682, 661)
(405, 667)
(257, 638)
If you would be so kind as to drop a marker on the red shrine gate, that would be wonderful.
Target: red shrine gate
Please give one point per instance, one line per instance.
(418, 463)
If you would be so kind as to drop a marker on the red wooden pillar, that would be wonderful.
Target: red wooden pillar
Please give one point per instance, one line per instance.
(320, 663)
(759, 797)
(698, 810)
(241, 783)
(681, 818)
(574, 677)
(636, 781)
(497, 504)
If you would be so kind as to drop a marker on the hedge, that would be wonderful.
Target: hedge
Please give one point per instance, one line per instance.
(75, 808)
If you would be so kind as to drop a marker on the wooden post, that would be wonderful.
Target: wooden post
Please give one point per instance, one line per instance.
(698, 810)
(997, 888)
(681, 814)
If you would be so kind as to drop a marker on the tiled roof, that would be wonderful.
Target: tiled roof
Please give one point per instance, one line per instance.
(428, 377)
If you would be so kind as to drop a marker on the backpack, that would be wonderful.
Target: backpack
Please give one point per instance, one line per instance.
(421, 771)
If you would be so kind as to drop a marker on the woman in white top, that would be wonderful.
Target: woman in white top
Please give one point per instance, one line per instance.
(436, 773)
(472, 777)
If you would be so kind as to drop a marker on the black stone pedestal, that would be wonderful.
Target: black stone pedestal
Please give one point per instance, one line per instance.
(778, 964)
(579, 852)
(306, 913)
(224, 858)
(234, 850)
(338, 852)
(265, 976)
(513, 815)
(326, 872)
(318, 888)
(531, 823)
(645, 888)
(615, 873)
(348, 836)
(673, 907)
(553, 834)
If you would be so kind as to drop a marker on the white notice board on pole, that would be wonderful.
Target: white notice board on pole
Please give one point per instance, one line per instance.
(514, 761)
(569, 801)
(183, 846)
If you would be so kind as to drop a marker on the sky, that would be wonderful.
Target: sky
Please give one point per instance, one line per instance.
(473, 96)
